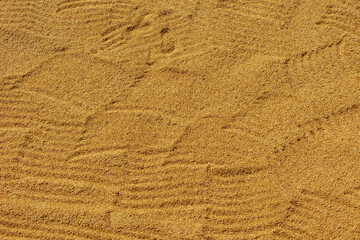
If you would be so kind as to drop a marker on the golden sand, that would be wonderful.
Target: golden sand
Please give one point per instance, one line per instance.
(180, 119)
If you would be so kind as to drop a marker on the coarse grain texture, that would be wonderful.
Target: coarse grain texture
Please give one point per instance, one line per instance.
(179, 119)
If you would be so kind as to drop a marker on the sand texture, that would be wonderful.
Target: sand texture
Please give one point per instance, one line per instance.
(179, 119)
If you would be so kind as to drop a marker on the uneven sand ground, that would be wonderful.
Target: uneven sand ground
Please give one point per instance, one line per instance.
(180, 119)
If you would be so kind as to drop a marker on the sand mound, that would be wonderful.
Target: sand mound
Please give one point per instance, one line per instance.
(144, 119)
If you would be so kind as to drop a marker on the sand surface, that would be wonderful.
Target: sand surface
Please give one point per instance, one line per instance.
(179, 119)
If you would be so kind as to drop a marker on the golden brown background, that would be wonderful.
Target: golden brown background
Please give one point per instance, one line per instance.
(180, 119)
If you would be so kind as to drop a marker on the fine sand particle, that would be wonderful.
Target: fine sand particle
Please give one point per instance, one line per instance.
(180, 119)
